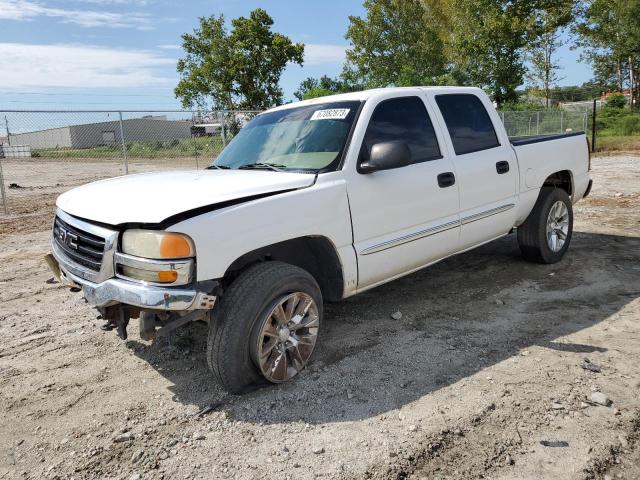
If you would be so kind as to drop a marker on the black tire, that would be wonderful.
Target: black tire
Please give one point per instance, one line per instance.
(238, 314)
(532, 235)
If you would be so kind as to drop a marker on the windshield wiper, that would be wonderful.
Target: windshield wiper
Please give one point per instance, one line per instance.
(260, 165)
(217, 167)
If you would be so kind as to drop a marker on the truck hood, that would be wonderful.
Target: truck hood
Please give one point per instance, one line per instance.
(152, 198)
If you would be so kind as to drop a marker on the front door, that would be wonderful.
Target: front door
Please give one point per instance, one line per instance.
(407, 217)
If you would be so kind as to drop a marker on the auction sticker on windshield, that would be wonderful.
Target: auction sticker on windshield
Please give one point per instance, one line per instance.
(331, 114)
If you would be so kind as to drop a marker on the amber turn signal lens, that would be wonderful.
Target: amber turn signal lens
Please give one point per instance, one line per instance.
(167, 277)
(175, 246)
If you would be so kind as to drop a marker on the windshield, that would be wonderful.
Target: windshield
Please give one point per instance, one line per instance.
(302, 138)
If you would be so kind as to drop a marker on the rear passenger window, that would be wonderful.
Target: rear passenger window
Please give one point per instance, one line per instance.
(402, 119)
(468, 123)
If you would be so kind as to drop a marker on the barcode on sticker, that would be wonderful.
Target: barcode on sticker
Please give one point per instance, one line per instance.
(331, 114)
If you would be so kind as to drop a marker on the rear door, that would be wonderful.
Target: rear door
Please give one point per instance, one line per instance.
(402, 218)
(485, 166)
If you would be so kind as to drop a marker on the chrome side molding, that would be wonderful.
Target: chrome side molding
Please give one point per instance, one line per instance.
(410, 237)
(487, 213)
(434, 230)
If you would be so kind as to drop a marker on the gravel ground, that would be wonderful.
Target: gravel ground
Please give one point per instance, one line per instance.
(492, 371)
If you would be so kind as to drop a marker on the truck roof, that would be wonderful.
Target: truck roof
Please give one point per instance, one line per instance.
(366, 94)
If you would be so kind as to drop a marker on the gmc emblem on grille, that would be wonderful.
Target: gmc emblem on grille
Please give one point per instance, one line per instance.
(67, 238)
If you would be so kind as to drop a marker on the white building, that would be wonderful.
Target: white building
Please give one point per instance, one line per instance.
(89, 135)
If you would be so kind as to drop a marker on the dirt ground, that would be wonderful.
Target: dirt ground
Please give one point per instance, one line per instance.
(32, 184)
(489, 373)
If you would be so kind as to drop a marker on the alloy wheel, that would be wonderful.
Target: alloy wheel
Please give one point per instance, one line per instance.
(557, 226)
(287, 337)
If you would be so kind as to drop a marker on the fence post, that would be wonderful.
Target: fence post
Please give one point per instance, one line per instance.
(561, 120)
(2, 192)
(6, 126)
(124, 146)
(222, 129)
(537, 123)
(593, 128)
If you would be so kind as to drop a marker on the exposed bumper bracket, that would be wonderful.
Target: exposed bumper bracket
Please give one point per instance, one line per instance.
(179, 322)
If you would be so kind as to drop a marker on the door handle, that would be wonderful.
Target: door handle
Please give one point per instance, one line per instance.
(446, 179)
(502, 167)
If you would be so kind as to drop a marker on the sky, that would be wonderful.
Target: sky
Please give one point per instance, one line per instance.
(122, 54)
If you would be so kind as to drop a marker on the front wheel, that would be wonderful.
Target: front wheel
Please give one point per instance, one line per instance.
(266, 327)
(545, 235)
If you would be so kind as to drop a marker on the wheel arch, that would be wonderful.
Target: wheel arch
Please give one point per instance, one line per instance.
(561, 179)
(315, 254)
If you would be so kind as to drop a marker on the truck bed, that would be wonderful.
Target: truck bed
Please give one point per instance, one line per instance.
(541, 155)
(526, 140)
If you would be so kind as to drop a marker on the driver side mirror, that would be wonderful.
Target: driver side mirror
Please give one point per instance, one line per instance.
(385, 156)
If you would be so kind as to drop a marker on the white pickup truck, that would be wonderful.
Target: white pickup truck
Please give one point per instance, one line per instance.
(312, 201)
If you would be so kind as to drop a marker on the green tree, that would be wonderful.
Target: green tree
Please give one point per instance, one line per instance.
(575, 93)
(486, 39)
(616, 100)
(551, 20)
(239, 69)
(319, 87)
(608, 30)
(317, 92)
(395, 44)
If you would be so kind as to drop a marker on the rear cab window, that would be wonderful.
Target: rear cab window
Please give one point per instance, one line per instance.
(468, 123)
(402, 119)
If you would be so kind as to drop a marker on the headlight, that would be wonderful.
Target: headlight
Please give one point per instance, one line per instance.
(157, 244)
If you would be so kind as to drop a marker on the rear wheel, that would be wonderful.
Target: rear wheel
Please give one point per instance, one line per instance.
(546, 234)
(266, 327)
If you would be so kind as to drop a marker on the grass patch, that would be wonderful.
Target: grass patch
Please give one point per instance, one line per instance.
(187, 147)
(617, 130)
(630, 143)
(617, 122)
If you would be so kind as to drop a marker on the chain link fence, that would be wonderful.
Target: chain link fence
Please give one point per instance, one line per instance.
(44, 153)
(519, 124)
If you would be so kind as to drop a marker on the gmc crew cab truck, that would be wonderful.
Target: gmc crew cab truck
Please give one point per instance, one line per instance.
(313, 201)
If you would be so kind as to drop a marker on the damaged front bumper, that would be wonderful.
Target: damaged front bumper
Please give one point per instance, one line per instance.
(84, 257)
(115, 290)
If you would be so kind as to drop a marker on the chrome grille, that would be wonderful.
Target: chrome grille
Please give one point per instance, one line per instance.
(79, 246)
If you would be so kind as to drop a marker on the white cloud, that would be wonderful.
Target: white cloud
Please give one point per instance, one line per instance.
(23, 10)
(320, 53)
(75, 66)
(169, 46)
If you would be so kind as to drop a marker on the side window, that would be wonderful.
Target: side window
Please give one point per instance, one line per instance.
(402, 119)
(468, 123)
